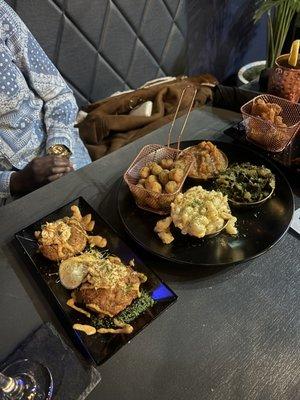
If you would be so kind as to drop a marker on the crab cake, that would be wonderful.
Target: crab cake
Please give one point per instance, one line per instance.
(61, 239)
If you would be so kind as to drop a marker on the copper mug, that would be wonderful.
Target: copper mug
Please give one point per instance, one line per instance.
(284, 80)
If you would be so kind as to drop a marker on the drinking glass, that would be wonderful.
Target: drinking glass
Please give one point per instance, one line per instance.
(284, 80)
(26, 380)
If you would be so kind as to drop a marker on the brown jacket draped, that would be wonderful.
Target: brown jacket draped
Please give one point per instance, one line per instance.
(108, 126)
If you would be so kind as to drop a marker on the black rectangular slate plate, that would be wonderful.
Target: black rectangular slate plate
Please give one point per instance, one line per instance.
(99, 347)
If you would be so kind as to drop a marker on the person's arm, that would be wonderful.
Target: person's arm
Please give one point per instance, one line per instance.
(60, 108)
(231, 98)
(5, 177)
(38, 172)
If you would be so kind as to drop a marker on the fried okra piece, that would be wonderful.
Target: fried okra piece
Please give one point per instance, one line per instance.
(154, 187)
(164, 177)
(151, 178)
(181, 164)
(155, 169)
(166, 163)
(144, 172)
(171, 187)
(176, 174)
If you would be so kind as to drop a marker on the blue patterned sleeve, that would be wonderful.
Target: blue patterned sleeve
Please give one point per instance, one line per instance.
(60, 106)
(5, 184)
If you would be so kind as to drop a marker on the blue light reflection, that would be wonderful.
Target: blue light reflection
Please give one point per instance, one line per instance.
(162, 293)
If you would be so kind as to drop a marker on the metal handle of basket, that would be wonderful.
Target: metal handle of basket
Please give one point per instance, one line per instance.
(186, 117)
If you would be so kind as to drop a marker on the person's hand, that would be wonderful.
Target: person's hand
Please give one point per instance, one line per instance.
(38, 172)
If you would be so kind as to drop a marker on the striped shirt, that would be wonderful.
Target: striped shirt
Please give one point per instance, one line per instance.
(37, 108)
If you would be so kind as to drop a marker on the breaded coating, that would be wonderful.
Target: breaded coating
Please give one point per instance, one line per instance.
(162, 228)
(109, 286)
(62, 239)
(67, 237)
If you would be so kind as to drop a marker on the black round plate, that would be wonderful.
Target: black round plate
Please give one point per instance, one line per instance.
(259, 227)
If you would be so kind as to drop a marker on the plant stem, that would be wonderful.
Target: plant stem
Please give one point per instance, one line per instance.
(270, 55)
(280, 22)
(278, 30)
(280, 14)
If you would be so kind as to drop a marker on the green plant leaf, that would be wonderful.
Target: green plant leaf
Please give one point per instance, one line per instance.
(263, 6)
(280, 14)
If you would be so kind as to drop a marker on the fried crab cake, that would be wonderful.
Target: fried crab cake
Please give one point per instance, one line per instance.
(68, 236)
(61, 239)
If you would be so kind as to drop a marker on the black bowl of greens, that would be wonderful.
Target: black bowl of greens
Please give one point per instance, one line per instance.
(246, 184)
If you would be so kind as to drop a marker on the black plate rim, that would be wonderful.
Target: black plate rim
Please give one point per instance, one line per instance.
(185, 263)
(67, 319)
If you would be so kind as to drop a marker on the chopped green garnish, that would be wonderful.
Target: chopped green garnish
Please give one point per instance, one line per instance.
(136, 308)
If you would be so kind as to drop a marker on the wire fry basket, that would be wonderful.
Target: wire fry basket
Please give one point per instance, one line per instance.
(159, 203)
(266, 134)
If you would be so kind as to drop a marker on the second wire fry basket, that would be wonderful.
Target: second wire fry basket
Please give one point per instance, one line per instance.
(146, 199)
(272, 137)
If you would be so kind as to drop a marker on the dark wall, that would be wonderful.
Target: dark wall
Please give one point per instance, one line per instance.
(222, 36)
(104, 46)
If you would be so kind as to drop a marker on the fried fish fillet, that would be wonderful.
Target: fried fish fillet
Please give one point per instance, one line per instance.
(109, 286)
(108, 301)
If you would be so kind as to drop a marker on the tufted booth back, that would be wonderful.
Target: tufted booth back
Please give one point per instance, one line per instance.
(101, 46)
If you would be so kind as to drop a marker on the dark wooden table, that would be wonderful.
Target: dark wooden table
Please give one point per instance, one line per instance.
(233, 333)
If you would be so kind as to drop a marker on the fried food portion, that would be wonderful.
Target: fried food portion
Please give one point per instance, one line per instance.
(108, 287)
(144, 172)
(166, 163)
(61, 239)
(162, 228)
(154, 187)
(105, 301)
(160, 181)
(163, 177)
(67, 237)
(176, 175)
(277, 135)
(171, 187)
(208, 161)
(267, 111)
(97, 241)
